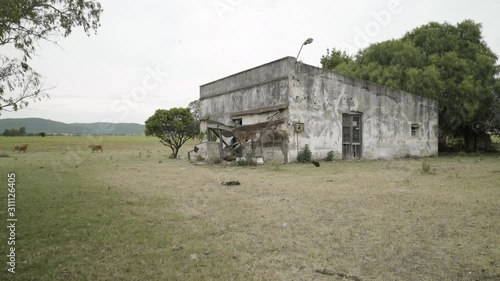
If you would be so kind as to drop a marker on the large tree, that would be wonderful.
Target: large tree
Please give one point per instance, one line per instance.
(23, 24)
(173, 127)
(449, 63)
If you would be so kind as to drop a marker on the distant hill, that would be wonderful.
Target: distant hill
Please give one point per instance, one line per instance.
(36, 125)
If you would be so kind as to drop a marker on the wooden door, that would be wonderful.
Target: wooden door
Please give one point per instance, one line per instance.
(351, 136)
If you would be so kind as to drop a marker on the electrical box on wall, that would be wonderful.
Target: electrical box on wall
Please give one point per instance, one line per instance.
(299, 127)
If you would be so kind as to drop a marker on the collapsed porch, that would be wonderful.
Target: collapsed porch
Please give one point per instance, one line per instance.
(234, 141)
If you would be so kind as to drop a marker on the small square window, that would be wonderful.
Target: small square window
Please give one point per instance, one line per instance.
(238, 121)
(415, 129)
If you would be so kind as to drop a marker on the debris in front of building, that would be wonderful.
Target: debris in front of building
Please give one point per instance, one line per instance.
(230, 183)
(258, 161)
(230, 158)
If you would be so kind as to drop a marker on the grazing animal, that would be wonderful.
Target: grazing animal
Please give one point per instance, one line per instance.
(316, 163)
(21, 147)
(95, 147)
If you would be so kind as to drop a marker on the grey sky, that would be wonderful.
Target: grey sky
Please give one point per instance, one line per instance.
(155, 54)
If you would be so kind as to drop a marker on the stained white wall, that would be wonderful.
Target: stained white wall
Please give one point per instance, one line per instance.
(319, 98)
(262, 86)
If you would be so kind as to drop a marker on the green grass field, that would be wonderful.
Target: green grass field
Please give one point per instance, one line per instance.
(130, 213)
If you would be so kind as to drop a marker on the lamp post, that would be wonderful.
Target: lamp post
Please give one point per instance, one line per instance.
(307, 42)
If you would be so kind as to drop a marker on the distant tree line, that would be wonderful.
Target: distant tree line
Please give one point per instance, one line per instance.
(21, 132)
(14, 132)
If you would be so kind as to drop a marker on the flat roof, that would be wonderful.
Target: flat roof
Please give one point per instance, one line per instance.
(285, 58)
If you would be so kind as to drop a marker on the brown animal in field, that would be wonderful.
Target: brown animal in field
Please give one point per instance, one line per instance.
(95, 147)
(21, 147)
(315, 163)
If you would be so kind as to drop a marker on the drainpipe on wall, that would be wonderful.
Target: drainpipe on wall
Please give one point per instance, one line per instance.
(297, 142)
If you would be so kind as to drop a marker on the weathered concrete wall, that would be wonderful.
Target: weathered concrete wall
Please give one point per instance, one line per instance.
(208, 150)
(220, 107)
(263, 86)
(319, 98)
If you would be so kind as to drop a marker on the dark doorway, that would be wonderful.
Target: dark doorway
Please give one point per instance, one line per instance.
(351, 136)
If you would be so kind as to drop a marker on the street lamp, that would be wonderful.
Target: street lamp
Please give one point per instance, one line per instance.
(307, 42)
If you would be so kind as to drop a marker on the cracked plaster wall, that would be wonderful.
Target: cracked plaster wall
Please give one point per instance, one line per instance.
(319, 98)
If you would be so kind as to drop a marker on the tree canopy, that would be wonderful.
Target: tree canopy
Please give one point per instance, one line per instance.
(173, 127)
(194, 106)
(449, 63)
(23, 24)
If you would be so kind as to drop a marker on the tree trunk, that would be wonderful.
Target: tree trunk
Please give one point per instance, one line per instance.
(174, 152)
(477, 142)
(469, 142)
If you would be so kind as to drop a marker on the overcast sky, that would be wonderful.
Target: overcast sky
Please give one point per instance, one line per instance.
(155, 54)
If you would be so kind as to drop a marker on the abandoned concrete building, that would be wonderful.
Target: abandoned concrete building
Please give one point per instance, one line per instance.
(275, 109)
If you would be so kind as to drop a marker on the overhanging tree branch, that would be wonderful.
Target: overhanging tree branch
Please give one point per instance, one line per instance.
(23, 23)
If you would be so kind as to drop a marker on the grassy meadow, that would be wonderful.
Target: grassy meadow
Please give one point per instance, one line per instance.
(130, 213)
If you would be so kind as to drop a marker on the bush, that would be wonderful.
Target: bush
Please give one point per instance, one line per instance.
(305, 155)
(250, 154)
(329, 156)
(243, 162)
(455, 144)
(427, 169)
(248, 161)
(276, 165)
